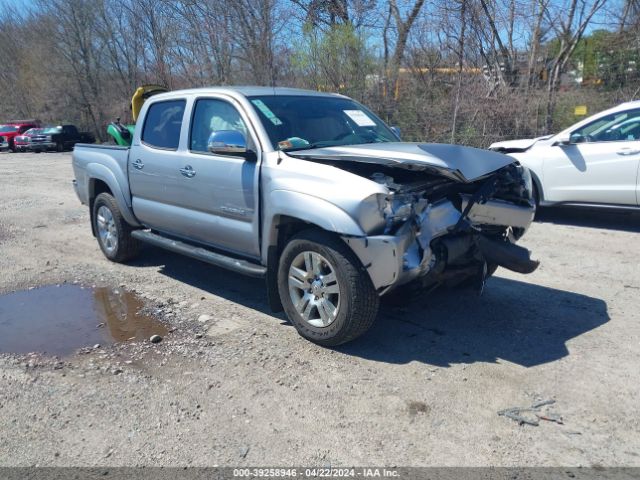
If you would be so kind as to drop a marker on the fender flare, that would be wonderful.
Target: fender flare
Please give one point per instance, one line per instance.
(308, 208)
(96, 171)
(538, 185)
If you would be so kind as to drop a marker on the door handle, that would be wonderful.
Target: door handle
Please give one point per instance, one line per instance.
(138, 164)
(188, 171)
(628, 151)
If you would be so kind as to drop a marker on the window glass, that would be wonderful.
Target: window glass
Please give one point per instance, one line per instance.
(8, 128)
(298, 122)
(211, 115)
(620, 126)
(163, 123)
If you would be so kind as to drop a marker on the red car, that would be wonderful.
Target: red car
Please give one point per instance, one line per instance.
(10, 130)
(21, 142)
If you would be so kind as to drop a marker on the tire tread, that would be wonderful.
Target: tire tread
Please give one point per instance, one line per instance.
(365, 300)
(128, 246)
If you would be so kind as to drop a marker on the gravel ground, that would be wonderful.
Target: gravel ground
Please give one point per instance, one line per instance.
(423, 387)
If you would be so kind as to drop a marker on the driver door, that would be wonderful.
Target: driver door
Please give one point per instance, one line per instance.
(222, 189)
(599, 165)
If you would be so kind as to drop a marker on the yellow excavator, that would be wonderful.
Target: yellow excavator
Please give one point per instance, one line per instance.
(123, 134)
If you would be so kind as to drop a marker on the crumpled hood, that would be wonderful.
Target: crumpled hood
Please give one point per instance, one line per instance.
(454, 161)
(517, 145)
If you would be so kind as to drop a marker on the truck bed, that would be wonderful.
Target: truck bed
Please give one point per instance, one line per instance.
(107, 163)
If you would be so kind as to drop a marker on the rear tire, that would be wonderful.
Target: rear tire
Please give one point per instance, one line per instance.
(325, 291)
(112, 230)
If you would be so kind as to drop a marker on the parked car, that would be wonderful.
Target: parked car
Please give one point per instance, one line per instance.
(595, 162)
(10, 130)
(22, 142)
(310, 191)
(59, 138)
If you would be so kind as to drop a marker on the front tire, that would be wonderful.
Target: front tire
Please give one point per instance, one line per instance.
(112, 230)
(324, 289)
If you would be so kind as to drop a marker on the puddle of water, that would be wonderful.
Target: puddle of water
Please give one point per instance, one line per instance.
(58, 320)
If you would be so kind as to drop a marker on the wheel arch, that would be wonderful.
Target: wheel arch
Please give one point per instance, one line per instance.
(537, 184)
(296, 215)
(286, 209)
(101, 179)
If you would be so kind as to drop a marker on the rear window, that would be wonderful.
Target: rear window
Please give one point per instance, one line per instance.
(163, 123)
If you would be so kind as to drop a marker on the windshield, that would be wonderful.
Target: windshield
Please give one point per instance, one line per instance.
(33, 131)
(52, 130)
(300, 122)
(8, 128)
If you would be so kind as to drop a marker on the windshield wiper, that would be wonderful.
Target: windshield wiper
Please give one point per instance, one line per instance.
(310, 146)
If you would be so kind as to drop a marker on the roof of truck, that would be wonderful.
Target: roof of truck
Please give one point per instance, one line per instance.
(248, 91)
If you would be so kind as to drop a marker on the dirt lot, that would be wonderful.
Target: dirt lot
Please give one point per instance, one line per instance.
(242, 388)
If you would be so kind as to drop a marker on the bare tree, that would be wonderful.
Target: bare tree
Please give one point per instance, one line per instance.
(402, 29)
(257, 24)
(569, 21)
(74, 24)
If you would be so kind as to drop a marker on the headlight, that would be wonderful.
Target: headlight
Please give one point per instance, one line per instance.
(48, 138)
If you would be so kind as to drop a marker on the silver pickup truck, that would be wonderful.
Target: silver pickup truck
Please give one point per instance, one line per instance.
(310, 191)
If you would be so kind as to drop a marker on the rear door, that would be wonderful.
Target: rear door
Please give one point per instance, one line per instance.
(154, 163)
(600, 165)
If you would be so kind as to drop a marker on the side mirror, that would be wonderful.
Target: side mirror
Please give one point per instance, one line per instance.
(227, 142)
(563, 139)
(396, 130)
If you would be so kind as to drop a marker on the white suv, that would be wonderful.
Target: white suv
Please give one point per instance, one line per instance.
(594, 162)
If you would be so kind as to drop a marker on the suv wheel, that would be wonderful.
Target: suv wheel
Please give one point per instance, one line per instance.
(112, 230)
(325, 291)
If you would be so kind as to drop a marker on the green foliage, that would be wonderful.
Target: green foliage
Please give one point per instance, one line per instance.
(334, 60)
(605, 58)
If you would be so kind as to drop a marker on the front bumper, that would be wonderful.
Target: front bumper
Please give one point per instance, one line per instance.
(41, 146)
(4, 146)
(394, 260)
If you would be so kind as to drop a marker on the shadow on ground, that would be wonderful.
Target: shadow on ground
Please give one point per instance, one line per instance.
(247, 291)
(628, 221)
(518, 322)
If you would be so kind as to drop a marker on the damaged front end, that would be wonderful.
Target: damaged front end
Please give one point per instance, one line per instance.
(438, 231)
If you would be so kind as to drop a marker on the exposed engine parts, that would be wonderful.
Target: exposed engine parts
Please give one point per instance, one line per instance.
(452, 231)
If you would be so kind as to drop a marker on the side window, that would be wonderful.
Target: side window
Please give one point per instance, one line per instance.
(211, 115)
(163, 123)
(617, 127)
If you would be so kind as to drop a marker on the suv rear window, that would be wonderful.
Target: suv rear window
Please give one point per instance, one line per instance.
(163, 123)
